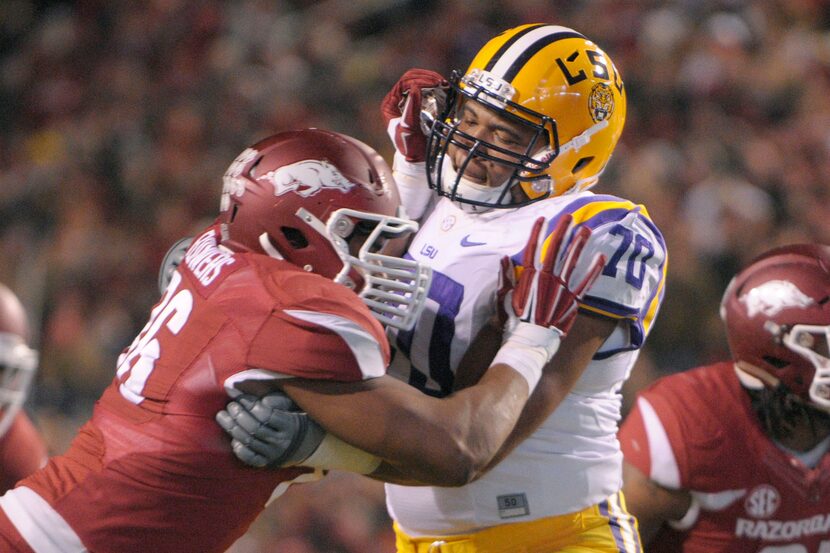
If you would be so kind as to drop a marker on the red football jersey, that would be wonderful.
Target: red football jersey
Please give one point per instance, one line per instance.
(22, 451)
(696, 431)
(152, 470)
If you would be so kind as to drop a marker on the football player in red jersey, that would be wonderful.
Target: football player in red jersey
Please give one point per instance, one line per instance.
(732, 457)
(286, 291)
(22, 449)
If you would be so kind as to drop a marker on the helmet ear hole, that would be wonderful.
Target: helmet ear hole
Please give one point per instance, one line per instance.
(295, 237)
(234, 211)
(254, 167)
(582, 163)
(775, 362)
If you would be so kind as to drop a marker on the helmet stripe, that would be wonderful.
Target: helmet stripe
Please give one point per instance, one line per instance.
(512, 57)
(514, 69)
(510, 42)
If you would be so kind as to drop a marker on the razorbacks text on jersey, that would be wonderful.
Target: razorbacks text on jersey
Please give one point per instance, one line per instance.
(573, 460)
(152, 471)
(696, 430)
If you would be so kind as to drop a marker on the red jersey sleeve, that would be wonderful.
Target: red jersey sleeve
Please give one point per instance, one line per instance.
(681, 425)
(646, 442)
(634, 441)
(324, 332)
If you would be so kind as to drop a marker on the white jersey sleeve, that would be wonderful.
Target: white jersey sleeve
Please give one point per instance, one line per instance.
(632, 282)
(411, 178)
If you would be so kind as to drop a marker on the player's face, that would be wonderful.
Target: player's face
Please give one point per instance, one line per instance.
(488, 126)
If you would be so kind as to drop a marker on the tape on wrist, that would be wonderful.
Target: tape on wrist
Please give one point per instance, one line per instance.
(527, 349)
(532, 335)
(334, 453)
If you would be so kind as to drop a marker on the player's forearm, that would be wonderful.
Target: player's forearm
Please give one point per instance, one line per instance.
(558, 379)
(441, 442)
(477, 422)
(454, 443)
(548, 395)
(486, 414)
(479, 355)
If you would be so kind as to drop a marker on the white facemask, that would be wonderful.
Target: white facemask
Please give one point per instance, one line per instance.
(802, 339)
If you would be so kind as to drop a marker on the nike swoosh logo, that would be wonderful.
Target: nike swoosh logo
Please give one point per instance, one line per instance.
(466, 242)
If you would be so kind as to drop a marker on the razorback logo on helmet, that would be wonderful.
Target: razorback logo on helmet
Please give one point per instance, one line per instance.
(601, 102)
(307, 178)
(773, 296)
(231, 184)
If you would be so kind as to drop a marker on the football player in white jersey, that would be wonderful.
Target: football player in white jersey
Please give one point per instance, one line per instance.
(524, 133)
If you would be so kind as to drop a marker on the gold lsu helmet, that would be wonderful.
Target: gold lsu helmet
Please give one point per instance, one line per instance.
(550, 78)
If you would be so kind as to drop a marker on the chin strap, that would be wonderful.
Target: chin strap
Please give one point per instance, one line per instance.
(753, 378)
(268, 247)
(582, 139)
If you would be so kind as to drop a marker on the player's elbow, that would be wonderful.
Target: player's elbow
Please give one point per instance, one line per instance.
(454, 473)
(457, 466)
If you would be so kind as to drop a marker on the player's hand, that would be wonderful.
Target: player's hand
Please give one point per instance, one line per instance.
(541, 304)
(544, 294)
(270, 431)
(401, 109)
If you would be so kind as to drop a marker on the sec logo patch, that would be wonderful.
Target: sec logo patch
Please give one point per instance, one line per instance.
(763, 501)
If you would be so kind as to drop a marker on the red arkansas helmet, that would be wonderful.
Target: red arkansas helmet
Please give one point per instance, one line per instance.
(18, 362)
(302, 195)
(777, 315)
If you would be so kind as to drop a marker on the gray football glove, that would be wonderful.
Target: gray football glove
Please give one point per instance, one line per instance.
(270, 431)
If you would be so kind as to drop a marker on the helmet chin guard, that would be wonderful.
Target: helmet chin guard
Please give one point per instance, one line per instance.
(393, 288)
(18, 364)
(813, 343)
(18, 361)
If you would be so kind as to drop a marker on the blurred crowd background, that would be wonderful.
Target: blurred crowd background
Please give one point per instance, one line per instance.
(118, 118)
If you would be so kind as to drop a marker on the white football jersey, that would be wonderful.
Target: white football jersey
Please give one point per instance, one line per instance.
(573, 460)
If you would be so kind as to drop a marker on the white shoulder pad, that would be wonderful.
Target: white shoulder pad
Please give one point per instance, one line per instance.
(631, 284)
